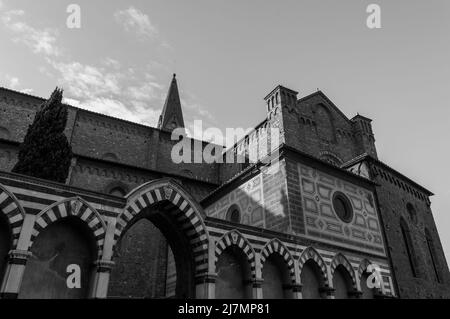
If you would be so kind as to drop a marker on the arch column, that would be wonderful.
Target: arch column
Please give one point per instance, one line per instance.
(205, 284)
(104, 266)
(17, 259)
(101, 278)
(257, 292)
(297, 291)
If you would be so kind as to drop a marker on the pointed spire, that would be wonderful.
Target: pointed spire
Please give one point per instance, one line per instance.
(172, 115)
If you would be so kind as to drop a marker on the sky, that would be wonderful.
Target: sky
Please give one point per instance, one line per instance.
(229, 54)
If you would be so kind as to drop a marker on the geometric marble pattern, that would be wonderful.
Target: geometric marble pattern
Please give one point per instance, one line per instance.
(362, 232)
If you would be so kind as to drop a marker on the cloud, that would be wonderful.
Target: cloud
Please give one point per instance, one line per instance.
(114, 90)
(40, 41)
(136, 21)
(85, 81)
(109, 87)
(12, 82)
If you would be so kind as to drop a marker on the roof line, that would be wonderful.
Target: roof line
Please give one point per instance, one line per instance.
(377, 161)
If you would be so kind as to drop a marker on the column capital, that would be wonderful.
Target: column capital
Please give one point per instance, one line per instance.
(205, 278)
(104, 265)
(18, 257)
(327, 291)
(257, 282)
(355, 294)
(296, 287)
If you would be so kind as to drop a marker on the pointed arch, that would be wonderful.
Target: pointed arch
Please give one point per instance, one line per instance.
(13, 211)
(311, 254)
(340, 259)
(185, 210)
(235, 238)
(77, 207)
(275, 246)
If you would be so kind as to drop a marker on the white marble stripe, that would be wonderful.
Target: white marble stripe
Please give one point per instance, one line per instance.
(10, 208)
(93, 222)
(3, 197)
(227, 241)
(176, 199)
(122, 222)
(142, 202)
(135, 209)
(183, 205)
(41, 222)
(158, 194)
(15, 218)
(86, 214)
(99, 232)
(127, 215)
(51, 215)
(150, 198)
(34, 233)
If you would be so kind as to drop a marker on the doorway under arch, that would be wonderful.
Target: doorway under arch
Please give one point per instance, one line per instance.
(65, 242)
(160, 238)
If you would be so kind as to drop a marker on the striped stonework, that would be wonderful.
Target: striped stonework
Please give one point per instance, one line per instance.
(76, 207)
(363, 267)
(311, 254)
(235, 238)
(340, 259)
(275, 246)
(11, 208)
(176, 202)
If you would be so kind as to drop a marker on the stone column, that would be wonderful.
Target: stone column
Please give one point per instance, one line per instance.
(101, 278)
(257, 292)
(297, 291)
(17, 259)
(205, 286)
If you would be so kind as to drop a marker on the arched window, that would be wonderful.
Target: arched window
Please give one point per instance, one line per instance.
(342, 283)
(234, 214)
(312, 280)
(406, 236)
(431, 251)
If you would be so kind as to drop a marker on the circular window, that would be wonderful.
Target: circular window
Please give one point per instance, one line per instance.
(234, 215)
(342, 207)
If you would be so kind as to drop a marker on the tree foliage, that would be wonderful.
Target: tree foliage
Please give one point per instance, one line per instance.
(45, 152)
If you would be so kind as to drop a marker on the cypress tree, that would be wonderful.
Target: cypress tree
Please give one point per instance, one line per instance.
(45, 152)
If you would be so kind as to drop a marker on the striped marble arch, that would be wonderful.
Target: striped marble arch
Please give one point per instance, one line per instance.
(311, 254)
(76, 207)
(235, 238)
(340, 259)
(185, 210)
(11, 208)
(275, 246)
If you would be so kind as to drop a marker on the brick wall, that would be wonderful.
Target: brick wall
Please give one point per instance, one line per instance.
(316, 127)
(394, 194)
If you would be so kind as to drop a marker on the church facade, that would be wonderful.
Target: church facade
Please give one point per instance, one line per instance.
(330, 220)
